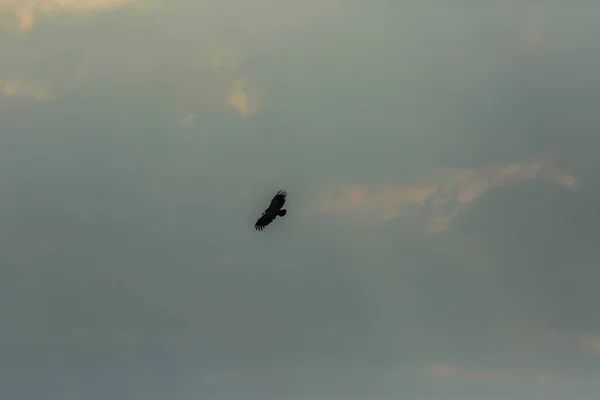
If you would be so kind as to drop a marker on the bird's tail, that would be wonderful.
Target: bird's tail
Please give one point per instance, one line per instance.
(282, 212)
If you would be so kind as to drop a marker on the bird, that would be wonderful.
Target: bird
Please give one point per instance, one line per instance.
(273, 211)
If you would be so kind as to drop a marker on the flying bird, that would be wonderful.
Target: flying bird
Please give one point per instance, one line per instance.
(273, 211)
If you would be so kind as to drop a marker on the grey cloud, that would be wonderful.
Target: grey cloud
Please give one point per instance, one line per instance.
(129, 264)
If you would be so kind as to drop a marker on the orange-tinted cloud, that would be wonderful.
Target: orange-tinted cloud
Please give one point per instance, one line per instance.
(242, 98)
(441, 198)
(590, 342)
(454, 371)
(189, 119)
(26, 11)
(22, 89)
(533, 35)
(227, 60)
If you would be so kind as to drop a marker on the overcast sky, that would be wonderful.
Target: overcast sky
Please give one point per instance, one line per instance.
(442, 239)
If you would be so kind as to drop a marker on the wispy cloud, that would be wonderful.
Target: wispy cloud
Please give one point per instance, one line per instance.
(539, 379)
(19, 88)
(225, 59)
(26, 12)
(455, 371)
(589, 342)
(440, 199)
(242, 98)
(189, 119)
(533, 35)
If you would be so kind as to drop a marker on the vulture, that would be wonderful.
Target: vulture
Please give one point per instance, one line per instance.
(273, 211)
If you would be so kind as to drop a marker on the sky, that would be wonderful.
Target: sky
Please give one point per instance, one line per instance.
(442, 234)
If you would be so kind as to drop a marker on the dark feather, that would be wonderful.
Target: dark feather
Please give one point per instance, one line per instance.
(273, 211)
(263, 221)
(278, 201)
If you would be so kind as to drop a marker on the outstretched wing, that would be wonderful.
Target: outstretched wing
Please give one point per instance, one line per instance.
(263, 221)
(278, 201)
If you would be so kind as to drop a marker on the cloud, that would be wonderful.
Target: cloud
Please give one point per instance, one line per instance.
(19, 88)
(27, 11)
(189, 119)
(242, 98)
(225, 59)
(533, 35)
(539, 379)
(590, 342)
(440, 199)
(454, 371)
